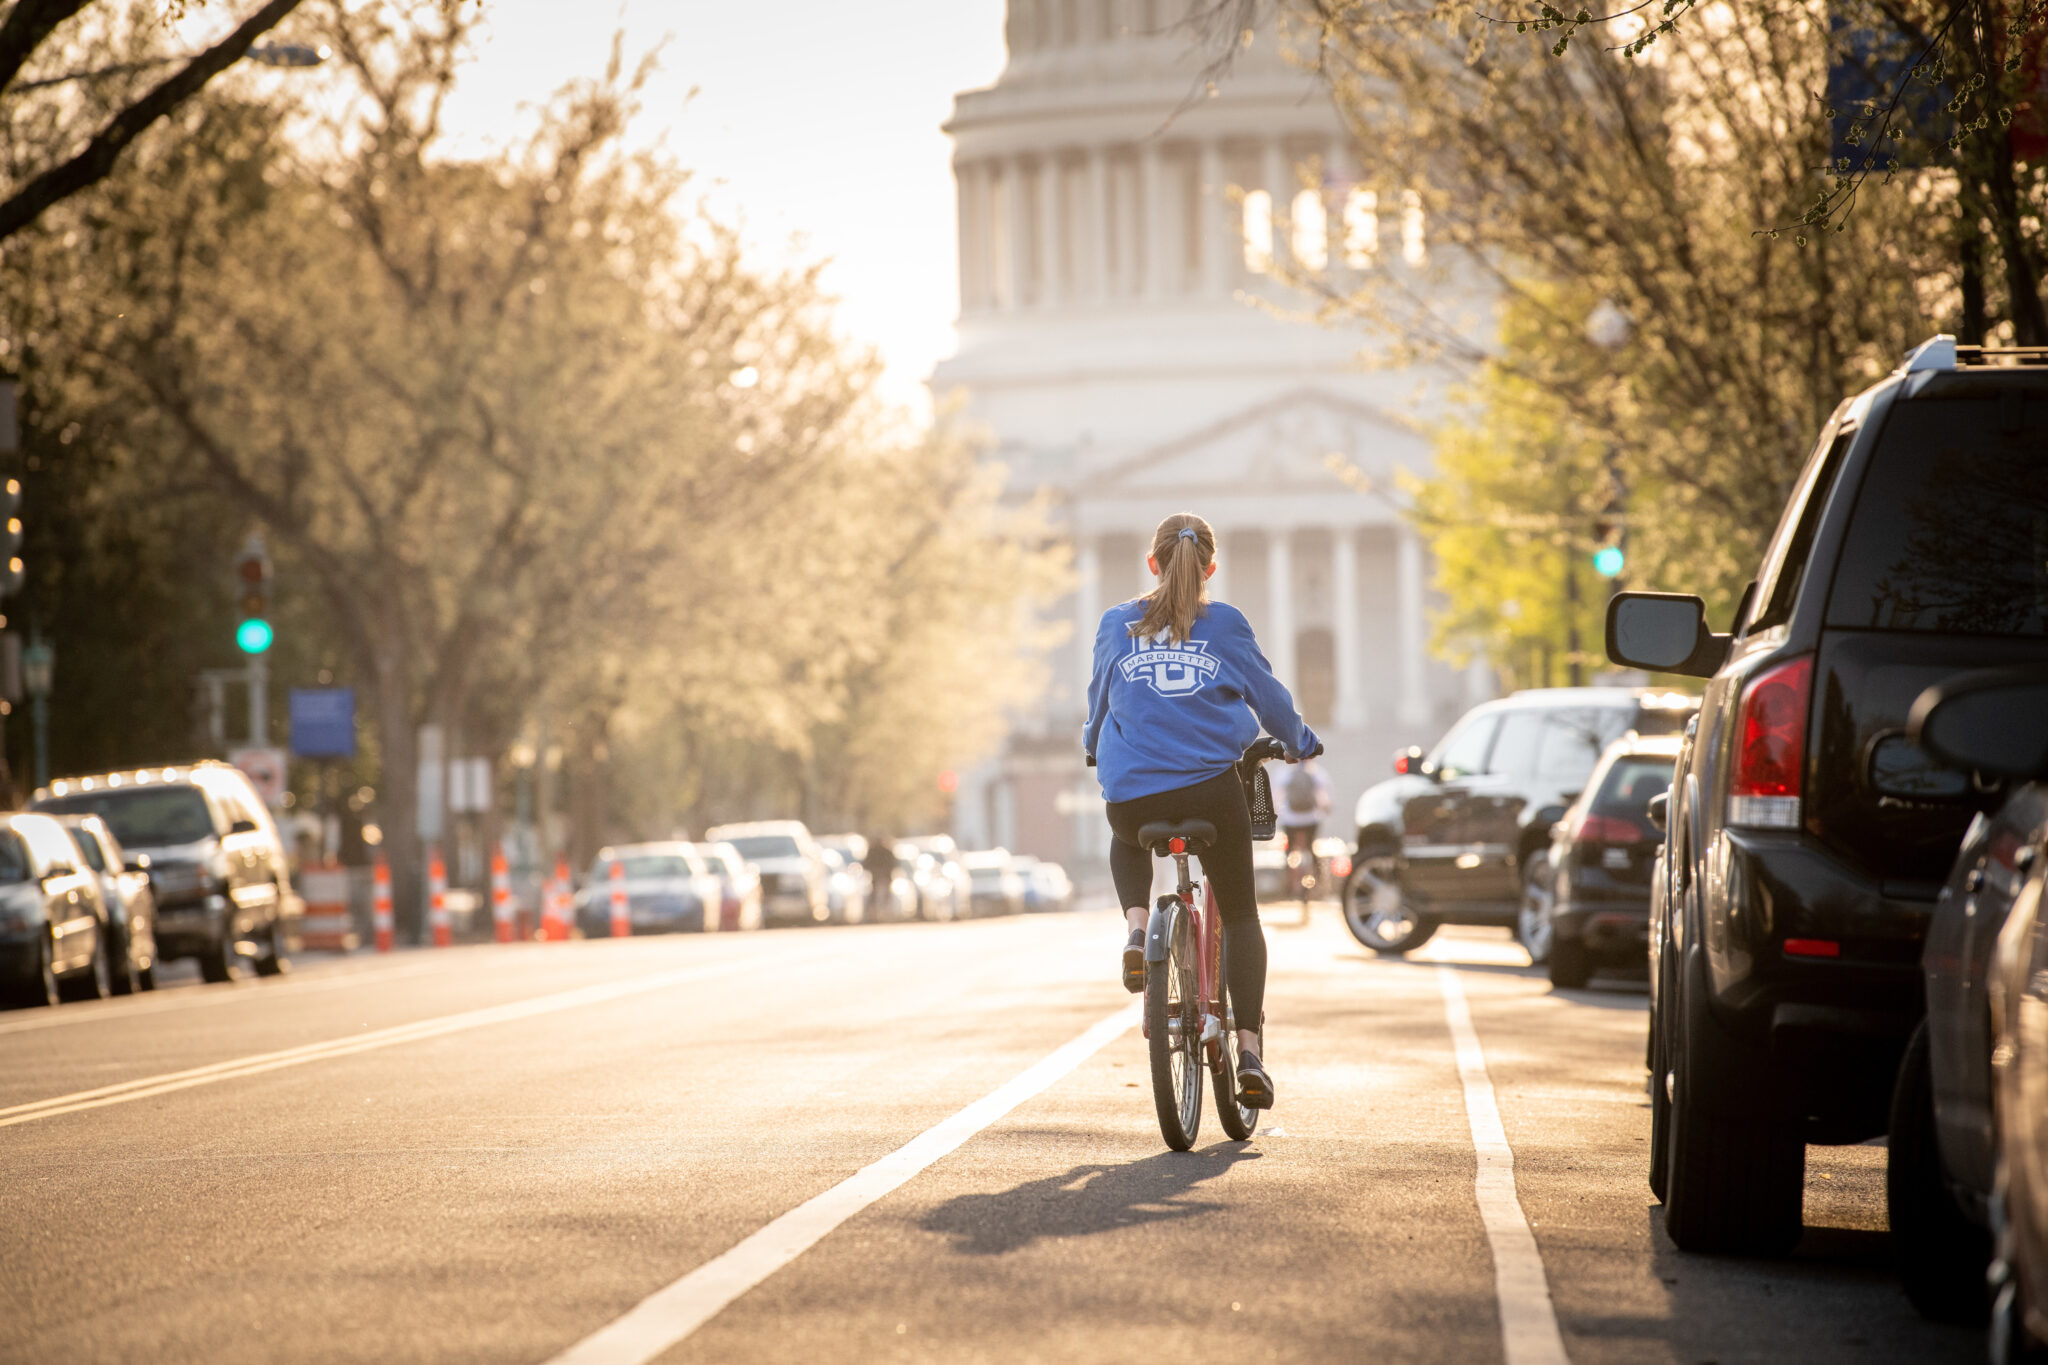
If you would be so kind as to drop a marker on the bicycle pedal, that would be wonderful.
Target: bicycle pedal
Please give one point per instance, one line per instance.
(1212, 1028)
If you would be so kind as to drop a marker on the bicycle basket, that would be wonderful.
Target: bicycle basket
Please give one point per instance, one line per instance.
(1258, 794)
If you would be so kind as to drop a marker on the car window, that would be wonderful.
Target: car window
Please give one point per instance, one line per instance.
(143, 817)
(1462, 752)
(647, 865)
(1573, 738)
(14, 865)
(89, 849)
(1631, 782)
(49, 843)
(1950, 532)
(1514, 748)
(1784, 566)
(756, 847)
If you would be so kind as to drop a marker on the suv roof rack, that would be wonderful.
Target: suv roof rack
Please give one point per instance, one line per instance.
(1943, 352)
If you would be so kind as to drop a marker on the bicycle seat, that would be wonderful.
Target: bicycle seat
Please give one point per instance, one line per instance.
(1196, 834)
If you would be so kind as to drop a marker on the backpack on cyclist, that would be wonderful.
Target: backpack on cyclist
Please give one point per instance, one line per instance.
(1301, 790)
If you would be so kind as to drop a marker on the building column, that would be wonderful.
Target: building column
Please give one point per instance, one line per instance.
(1149, 238)
(971, 178)
(1280, 604)
(1221, 247)
(1018, 207)
(1050, 267)
(1346, 641)
(1278, 180)
(1413, 662)
(1087, 610)
(1100, 215)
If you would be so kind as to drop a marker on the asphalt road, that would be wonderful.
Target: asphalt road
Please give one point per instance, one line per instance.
(497, 1153)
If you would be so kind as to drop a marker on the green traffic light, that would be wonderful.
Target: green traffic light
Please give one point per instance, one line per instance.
(254, 635)
(1607, 561)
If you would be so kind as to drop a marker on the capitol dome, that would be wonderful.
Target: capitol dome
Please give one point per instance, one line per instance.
(1126, 343)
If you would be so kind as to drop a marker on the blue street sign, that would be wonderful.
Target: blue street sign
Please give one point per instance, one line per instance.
(324, 722)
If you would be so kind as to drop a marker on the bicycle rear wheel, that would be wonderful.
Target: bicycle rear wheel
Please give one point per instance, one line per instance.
(1173, 1019)
(1238, 1121)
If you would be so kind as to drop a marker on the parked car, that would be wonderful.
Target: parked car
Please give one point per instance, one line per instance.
(941, 882)
(217, 869)
(1969, 1140)
(1451, 837)
(131, 909)
(846, 885)
(1943, 1132)
(54, 941)
(994, 885)
(1047, 886)
(739, 887)
(1791, 904)
(1586, 903)
(669, 889)
(790, 864)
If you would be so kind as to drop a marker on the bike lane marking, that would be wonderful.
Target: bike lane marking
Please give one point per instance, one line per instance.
(1528, 1320)
(671, 1314)
(165, 1083)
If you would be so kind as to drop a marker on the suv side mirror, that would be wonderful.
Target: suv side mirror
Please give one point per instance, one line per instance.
(1903, 770)
(1994, 720)
(1659, 809)
(242, 827)
(1663, 632)
(1408, 761)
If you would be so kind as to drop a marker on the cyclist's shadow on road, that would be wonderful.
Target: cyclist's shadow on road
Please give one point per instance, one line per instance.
(1087, 1199)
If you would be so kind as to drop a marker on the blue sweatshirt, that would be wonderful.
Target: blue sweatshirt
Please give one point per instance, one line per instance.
(1166, 716)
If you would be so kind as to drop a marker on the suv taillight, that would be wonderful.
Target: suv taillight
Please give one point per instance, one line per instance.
(1770, 747)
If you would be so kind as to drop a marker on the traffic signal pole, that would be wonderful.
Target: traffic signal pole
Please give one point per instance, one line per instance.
(259, 701)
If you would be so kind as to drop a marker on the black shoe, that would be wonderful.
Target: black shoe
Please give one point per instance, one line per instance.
(1134, 963)
(1254, 1086)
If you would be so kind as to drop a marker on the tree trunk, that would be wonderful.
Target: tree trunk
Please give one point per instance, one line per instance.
(398, 790)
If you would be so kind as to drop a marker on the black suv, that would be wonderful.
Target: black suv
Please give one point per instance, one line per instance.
(1452, 837)
(1790, 906)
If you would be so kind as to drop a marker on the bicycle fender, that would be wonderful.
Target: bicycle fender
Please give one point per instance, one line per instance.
(1157, 930)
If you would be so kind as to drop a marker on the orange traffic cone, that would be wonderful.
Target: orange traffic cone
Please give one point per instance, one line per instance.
(380, 904)
(554, 904)
(501, 895)
(437, 899)
(622, 912)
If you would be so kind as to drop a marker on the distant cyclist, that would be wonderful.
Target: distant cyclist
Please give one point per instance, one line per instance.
(1304, 801)
(1179, 689)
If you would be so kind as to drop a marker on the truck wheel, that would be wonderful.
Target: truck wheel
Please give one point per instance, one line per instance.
(276, 959)
(1377, 911)
(1660, 1088)
(1736, 1180)
(1571, 966)
(1942, 1254)
(219, 961)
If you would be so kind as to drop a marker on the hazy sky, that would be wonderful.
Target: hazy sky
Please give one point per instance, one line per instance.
(816, 119)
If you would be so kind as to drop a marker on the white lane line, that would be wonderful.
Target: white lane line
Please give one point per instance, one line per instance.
(668, 1315)
(258, 1063)
(1528, 1322)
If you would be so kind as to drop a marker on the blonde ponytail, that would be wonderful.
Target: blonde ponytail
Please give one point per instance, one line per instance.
(1184, 547)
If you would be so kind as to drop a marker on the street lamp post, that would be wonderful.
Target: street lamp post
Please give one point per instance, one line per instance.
(1608, 328)
(38, 663)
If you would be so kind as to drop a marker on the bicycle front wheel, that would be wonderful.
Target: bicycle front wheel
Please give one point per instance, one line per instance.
(1238, 1121)
(1173, 1018)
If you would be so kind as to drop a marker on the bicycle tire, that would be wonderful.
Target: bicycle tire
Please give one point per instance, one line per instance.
(1173, 994)
(1238, 1121)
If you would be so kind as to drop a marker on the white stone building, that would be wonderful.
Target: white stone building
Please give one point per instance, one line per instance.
(1117, 231)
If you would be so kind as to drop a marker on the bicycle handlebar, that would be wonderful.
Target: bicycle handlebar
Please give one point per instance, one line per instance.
(1262, 748)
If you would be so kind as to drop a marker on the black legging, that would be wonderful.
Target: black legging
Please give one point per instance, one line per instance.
(1228, 867)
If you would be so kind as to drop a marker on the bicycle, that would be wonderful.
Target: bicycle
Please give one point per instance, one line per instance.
(1189, 1023)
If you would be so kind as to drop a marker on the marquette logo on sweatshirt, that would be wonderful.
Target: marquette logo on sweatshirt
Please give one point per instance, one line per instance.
(1170, 670)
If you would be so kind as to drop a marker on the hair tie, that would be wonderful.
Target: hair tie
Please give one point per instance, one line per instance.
(1187, 533)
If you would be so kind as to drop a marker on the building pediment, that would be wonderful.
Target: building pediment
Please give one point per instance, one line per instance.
(1279, 445)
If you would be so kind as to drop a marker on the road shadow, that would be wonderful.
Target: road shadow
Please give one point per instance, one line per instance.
(1085, 1200)
(1835, 1297)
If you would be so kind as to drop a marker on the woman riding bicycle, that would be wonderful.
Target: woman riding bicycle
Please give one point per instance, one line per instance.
(1165, 736)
